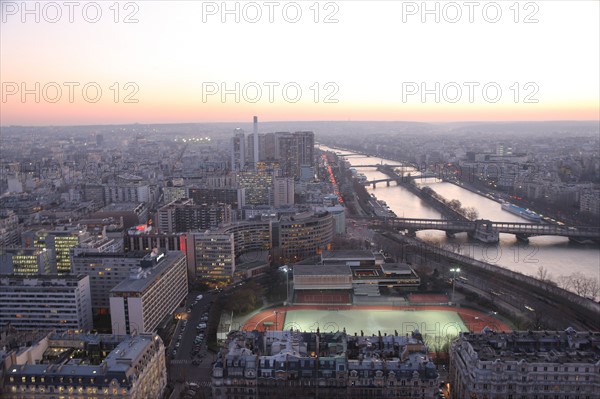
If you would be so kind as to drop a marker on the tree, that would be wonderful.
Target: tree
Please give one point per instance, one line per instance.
(582, 285)
(455, 204)
(542, 274)
(565, 282)
(471, 213)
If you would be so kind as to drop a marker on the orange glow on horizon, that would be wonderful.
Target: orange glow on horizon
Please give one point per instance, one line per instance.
(110, 113)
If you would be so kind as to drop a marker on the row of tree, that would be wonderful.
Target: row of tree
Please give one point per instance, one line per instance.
(468, 212)
(582, 285)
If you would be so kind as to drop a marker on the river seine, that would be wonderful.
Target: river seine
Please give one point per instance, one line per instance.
(556, 254)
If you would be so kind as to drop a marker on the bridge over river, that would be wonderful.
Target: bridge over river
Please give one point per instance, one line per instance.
(488, 231)
(400, 179)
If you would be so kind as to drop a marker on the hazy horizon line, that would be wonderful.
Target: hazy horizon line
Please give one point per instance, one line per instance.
(310, 121)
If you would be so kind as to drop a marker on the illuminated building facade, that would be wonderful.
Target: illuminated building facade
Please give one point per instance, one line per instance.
(25, 261)
(235, 197)
(304, 235)
(211, 255)
(152, 292)
(84, 366)
(183, 215)
(145, 238)
(106, 271)
(248, 236)
(257, 186)
(46, 301)
(61, 241)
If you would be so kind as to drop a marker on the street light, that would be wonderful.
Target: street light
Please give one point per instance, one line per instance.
(454, 270)
(276, 313)
(286, 269)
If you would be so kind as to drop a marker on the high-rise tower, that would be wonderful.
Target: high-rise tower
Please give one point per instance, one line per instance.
(238, 150)
(255, 132)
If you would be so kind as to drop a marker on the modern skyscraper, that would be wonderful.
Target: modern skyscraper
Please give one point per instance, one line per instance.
(257, 186)
(183, 215)
(211, 255)
(306, 148)
(255, 138)
(283, 191)
(61, 241)
(238, 150)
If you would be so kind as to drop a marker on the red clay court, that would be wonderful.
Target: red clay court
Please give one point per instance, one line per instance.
(428, 298)
(340, 297)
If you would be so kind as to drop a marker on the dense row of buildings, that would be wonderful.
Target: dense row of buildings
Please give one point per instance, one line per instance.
(211, 240)
(526, 365)
(139, 290)
(298, 364)
(76, 365)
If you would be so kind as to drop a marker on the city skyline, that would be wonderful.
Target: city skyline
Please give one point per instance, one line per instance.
(190, 62)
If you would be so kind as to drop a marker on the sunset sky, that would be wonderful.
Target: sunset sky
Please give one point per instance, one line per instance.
(369, 65)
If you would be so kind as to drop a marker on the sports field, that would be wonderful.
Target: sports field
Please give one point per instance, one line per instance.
(439, 321)
(431, 322)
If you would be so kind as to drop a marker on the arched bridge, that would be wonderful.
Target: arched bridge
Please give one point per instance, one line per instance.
(488, 231)
(399, 180)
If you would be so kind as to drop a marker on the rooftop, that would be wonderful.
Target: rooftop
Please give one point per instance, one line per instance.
(22, 281)
(57, 360)
(322, 270)
(121, 207)
(140, 282)
(535, 346)
(397, 268)
(349, 254)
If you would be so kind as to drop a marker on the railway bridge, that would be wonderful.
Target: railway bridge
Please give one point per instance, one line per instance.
(488, 231)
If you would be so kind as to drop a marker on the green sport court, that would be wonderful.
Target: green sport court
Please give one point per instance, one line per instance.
(429, 322)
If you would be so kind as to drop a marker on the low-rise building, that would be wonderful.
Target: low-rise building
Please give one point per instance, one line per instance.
(526, 365)
(339, 282)
(330, 365)
(66, 365)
